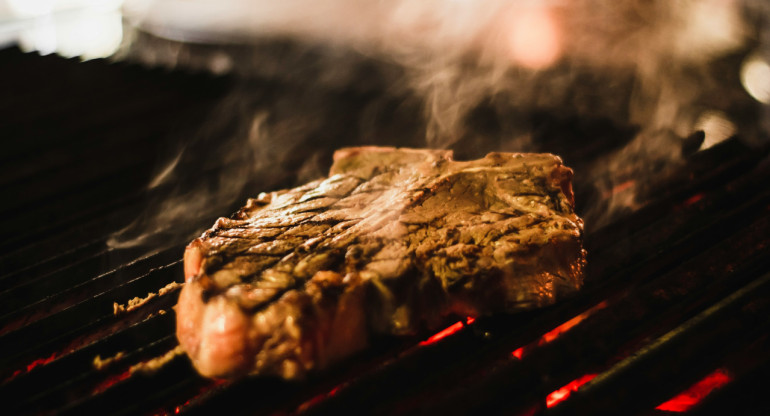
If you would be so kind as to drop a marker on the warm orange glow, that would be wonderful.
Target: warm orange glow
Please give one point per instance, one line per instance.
(33, 364)
(110, 381)
(533, 37)
(693, 199)
(556, 332)
(315, 400)
(687, 399)
(201, 391)
(448, 331)
(40, 361)
(563, 393)
(623, 186)
(444, 333)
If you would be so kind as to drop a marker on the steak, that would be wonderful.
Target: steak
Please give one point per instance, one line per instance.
(392, 242)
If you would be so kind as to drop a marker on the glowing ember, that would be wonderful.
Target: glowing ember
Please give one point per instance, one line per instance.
(40, 361)
(315, 400)
(33, 364)
(563, 393)
(687, 399)
(110, 381)
(693, 199)
(444, 333)
(448, 331)
(622, 187)
(556, 332)
(201, 391)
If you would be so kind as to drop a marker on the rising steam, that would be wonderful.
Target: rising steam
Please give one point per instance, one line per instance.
(467, 65)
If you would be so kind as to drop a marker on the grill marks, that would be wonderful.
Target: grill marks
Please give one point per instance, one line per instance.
(50, 295)
(633, 317)
(246, 248)
(417, 250)
(74, 172)
(670, 251)
(85, 321)
(699, 228)
(398, 222)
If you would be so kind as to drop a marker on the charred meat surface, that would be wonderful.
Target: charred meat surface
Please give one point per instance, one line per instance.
(392, 241)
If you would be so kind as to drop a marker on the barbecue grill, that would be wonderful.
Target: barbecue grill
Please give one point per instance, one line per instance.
(673, 317)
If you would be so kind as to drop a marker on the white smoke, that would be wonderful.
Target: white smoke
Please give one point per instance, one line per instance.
(636, 62)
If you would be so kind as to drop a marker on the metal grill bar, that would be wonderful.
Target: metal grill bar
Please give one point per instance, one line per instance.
(80, 320)
(633, 309)
(54, 294)
(748, 391)
(660, 273)
(679, 357)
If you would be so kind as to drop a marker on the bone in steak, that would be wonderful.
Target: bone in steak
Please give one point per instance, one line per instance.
(394, 240)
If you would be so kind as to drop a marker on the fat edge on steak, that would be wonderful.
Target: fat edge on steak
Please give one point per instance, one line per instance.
(393, 241)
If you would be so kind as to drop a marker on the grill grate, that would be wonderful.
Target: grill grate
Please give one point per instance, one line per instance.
(676, 290)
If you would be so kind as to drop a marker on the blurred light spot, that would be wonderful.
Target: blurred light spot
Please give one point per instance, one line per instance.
(220, 63)
(86, 28)
(41, 36)
(755, 77)
(709, 27)
(533, 37)
(90, 36)
(716, 126)
(30, 8)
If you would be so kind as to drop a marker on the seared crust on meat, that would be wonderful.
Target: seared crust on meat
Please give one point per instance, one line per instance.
(392, 241)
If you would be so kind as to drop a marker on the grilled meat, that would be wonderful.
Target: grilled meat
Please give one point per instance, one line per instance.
(394, 240)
